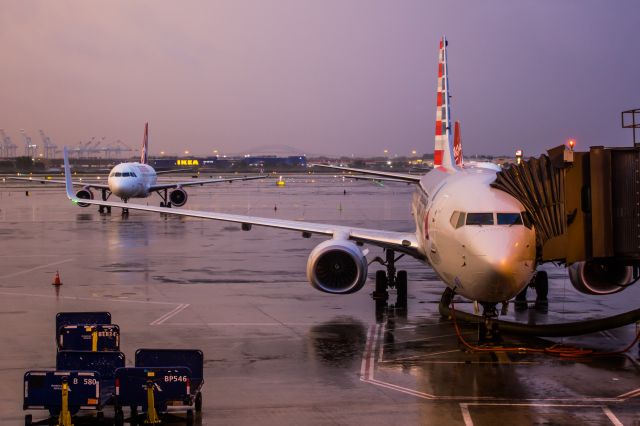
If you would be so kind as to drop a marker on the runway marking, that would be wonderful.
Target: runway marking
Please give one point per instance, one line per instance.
(373, 345)
(26, 271)
(466, 416)
(611, 416)
(181, 307)
(91, 299)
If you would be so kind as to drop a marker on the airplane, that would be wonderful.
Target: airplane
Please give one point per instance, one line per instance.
(478, 239)
(138, 180)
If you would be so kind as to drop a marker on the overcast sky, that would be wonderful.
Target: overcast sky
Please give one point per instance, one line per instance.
(337, 77)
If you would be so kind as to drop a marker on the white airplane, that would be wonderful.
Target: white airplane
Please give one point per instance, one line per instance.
(138, 180)
(474, 236)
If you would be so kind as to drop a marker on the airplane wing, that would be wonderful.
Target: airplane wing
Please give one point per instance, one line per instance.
(404, 177)
(201, 182)
(375, 178)
(400, 241)
(61, 182)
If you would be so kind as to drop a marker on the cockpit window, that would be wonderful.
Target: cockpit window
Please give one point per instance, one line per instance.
(132, 174)
(117, 174)
(457, 219)
(509, 218)
(526, 219)
(479, 219)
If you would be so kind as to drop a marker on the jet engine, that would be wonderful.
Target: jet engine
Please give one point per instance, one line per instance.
(599, 278)
(337, 266)
(178, 197)
(84, 194)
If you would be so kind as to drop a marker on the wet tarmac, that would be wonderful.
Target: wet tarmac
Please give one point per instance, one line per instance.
(276, 350)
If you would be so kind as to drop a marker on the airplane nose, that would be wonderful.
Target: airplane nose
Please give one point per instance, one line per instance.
(503, 260)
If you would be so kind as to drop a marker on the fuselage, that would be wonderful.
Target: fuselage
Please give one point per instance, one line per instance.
(475, 237)
(131, 180)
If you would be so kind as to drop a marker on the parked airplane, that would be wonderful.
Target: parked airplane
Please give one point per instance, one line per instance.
(474, 236)
(139, 180)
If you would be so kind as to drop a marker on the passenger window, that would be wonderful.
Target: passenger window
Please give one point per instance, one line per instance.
(479, 219)
(509, 219)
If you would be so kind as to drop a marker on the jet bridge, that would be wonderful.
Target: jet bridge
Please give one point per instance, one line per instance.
(585, 207)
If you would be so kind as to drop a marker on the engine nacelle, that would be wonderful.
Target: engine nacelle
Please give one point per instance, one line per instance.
(178, 197)
(599, 278)
(337, 266)
(84, 194)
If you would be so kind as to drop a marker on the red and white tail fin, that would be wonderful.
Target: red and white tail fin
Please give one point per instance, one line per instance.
(457, 144)
(443, 155)
(145, 144)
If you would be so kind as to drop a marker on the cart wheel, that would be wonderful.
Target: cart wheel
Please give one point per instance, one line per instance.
(198, 402)
(28, 420)
(189, 417)
(118, 418)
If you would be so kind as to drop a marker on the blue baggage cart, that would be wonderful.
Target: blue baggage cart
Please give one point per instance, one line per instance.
(153, 389)
(75, 318)
(104, 363)
(190, 358)
(89, 337)
(64, 392)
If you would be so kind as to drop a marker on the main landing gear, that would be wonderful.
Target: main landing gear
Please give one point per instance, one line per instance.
(164, 196)
(540, 282)
(390, 279)
(105, 197)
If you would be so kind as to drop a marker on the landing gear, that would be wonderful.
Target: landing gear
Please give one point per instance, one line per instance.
(488, 331)
(390, 279)
(165, 197)
(540, 282)
(105, 197)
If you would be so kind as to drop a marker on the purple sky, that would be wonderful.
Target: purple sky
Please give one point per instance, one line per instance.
(335, 77)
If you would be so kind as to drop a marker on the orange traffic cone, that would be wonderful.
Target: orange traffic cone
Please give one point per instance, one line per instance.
(56, 279)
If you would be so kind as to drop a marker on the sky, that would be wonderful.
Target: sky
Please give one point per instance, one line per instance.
(334, 77)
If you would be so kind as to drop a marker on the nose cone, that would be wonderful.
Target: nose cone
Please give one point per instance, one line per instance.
(501, 262)
(120, 187)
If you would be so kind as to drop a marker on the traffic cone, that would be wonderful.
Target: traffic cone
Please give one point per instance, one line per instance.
(56, 279)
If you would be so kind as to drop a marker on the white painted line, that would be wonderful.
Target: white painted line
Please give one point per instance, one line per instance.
(466, 416)
(630, 394)
(181, 307)
(381, 331)
(365, 355)
(91, 299)
(26, 271)
(612, 416)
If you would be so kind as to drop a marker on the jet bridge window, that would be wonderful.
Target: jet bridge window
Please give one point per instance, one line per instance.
(509, 219)
(479, 219)
(457, 219)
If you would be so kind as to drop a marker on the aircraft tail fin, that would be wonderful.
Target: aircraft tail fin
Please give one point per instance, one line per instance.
(457, 144)
(145, 144)
(443, 155)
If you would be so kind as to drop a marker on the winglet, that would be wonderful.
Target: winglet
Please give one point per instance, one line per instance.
(443, 152)
(67, 177)
(145, 144)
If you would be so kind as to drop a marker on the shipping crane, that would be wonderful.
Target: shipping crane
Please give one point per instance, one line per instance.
(49, 148)
(8, 148)
(30, 149)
